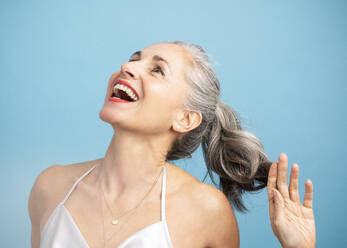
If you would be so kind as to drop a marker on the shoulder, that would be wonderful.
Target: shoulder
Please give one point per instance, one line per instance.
(209, 205)
(51, 186)
(38, 200)
(56, 177)
(41, 189)
(218, 219)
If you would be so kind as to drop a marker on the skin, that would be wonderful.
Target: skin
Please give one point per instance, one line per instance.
(292, 222)
(143, 133)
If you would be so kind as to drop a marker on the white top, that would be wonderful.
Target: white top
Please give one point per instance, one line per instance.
(60, 230)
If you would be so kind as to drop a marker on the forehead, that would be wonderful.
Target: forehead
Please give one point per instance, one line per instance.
(170, 51)
(177, 57)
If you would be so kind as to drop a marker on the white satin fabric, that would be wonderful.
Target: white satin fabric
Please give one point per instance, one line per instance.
(60, 230)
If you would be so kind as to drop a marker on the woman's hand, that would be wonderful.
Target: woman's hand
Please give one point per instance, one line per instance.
(292, 222)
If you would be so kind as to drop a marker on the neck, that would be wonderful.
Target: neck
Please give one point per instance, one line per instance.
(131, 163)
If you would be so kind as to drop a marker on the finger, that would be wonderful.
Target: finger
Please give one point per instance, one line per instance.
(278, 206)
(282, 175)
(271, 184)
(293, 186)
(308, 197)
(272, 177)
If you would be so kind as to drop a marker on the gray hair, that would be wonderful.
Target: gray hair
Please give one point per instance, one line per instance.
(235, 155)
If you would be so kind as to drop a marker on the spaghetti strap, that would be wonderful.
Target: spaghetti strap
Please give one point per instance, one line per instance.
(163, 211)
(76, 182)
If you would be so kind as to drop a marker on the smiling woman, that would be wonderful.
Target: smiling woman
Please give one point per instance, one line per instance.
(162, 105)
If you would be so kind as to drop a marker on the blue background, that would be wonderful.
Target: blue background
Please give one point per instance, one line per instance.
(282, 66)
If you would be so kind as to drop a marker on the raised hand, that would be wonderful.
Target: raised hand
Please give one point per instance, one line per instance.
(292, 222)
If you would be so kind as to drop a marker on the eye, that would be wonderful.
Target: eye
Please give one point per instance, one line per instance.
(158, 69)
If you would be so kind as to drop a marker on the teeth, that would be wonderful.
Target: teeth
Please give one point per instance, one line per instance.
(125, 89)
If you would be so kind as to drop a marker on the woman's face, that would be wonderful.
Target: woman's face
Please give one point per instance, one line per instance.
(155, 76)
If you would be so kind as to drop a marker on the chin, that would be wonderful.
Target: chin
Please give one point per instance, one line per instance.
(107, 115)
(116, 118)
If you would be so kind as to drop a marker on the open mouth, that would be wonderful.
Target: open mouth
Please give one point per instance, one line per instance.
(124, 92)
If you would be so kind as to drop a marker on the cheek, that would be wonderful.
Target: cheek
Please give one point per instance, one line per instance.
(159, 107)
(166, 97)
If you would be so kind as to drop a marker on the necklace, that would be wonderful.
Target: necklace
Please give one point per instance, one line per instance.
(115, 220)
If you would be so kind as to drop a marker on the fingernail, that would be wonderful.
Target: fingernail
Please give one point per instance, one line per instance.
(283, 156)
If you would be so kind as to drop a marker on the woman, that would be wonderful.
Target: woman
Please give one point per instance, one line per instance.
(162, 104)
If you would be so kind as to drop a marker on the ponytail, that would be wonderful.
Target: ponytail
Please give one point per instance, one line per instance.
(237, 156)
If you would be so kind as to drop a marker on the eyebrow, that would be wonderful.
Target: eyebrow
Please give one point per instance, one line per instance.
(158, 58)
(155, 57)
(137, 54)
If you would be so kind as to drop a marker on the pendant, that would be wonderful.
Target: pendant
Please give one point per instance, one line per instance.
(115, 221)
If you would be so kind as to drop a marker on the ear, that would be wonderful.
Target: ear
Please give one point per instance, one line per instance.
(186, 121)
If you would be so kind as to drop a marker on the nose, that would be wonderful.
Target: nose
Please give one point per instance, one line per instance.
(128, 70)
